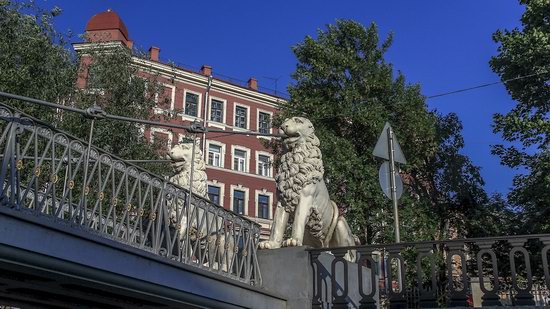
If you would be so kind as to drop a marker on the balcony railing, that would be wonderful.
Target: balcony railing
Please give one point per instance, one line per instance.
(49, 173)
(495, 271)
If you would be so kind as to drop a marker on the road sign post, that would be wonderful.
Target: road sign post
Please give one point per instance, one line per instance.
(393, 185)
(387, 147)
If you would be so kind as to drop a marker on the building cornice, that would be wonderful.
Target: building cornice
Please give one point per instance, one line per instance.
(239, 173)
(189, 76)
(217, 84)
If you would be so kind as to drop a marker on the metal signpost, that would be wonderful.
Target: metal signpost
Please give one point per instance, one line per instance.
(387, 147)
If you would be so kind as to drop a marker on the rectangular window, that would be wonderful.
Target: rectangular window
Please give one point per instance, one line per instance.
(263, 206)
(215, 155)
(216, 110)
(264, 166)
(165, 98)
(239, 160)
(240, 117)
(264, 122)
(238, 202)
(191, 104)
(214, 194)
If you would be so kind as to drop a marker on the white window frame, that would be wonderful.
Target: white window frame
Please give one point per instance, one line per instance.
(246, 161)
(154, 130)
(247, 116)
(258, 111)
(220, 185)
(246, 197)
(157, 109)
(181, 136)
(222, 154)
(184, 116)
(267, 154)
(257, 205)
(224, 118)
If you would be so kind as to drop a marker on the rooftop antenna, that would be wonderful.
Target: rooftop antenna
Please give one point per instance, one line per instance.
(275, 81)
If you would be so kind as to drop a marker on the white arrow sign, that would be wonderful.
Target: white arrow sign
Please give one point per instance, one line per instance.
(382, 149)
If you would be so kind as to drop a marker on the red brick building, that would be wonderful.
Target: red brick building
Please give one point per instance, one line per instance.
(240, 174)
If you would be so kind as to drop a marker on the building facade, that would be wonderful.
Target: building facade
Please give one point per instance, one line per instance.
(239, 166)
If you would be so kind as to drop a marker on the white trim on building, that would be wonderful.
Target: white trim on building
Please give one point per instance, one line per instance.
(246, 197)
(220, 185)
(257, 205)
(246, 160)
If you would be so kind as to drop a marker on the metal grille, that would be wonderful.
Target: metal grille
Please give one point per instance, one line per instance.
(51, 173)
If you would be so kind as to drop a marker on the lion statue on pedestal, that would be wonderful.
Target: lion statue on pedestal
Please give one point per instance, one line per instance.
(303, 195)
(219, 245)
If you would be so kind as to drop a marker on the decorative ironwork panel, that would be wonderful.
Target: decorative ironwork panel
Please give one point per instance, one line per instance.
(53, 174)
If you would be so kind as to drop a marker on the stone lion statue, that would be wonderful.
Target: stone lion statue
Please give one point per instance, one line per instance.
(303, 195)
(181, 156)
(202, 239)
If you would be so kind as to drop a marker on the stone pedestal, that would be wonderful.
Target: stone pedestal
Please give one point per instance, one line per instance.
(289, 272)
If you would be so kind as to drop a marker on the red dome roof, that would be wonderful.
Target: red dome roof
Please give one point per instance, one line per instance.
(108, 20)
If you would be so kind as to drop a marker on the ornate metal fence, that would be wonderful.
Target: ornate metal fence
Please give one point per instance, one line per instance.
(50, 173)
(493, 271)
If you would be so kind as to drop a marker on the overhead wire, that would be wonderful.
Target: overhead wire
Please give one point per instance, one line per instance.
(193, 129)
(484, 85)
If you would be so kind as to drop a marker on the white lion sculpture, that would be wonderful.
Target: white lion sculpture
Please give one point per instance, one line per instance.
(196, 227)
(181, 156)
(304, 197)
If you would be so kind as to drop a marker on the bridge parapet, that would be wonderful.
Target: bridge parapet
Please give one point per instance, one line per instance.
(49, 172)
(493, 271)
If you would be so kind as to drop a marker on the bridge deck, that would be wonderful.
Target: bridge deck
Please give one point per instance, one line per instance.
(62, 265)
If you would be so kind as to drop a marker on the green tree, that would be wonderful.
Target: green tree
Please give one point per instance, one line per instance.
(35, 61)
(118, 88)
(347, 89)
(526, 127)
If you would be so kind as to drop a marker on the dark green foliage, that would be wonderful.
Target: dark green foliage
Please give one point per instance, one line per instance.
(33, 59)
(118, 90)
(35, 62)
(524, 52)
(347, 89)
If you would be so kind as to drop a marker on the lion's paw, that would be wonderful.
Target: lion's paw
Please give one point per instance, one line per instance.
(269, 245)
(291, 242)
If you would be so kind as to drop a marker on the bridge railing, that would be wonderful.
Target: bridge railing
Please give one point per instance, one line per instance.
(496, 271)
(48, 172)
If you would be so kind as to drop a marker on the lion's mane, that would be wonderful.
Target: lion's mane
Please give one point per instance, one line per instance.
(183, 171)
(300, 166)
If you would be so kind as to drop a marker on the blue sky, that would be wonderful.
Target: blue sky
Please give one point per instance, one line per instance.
(442, 45)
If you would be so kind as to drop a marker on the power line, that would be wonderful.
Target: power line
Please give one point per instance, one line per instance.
(484, 85)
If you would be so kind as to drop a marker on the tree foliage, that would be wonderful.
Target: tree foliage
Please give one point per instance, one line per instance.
(346, 88)
(35, 62)
(118, 88)
(526, 52)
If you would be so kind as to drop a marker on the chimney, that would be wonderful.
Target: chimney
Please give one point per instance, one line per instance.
(253, 83)
(154, 53)
(130, 44)
(206, 70)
